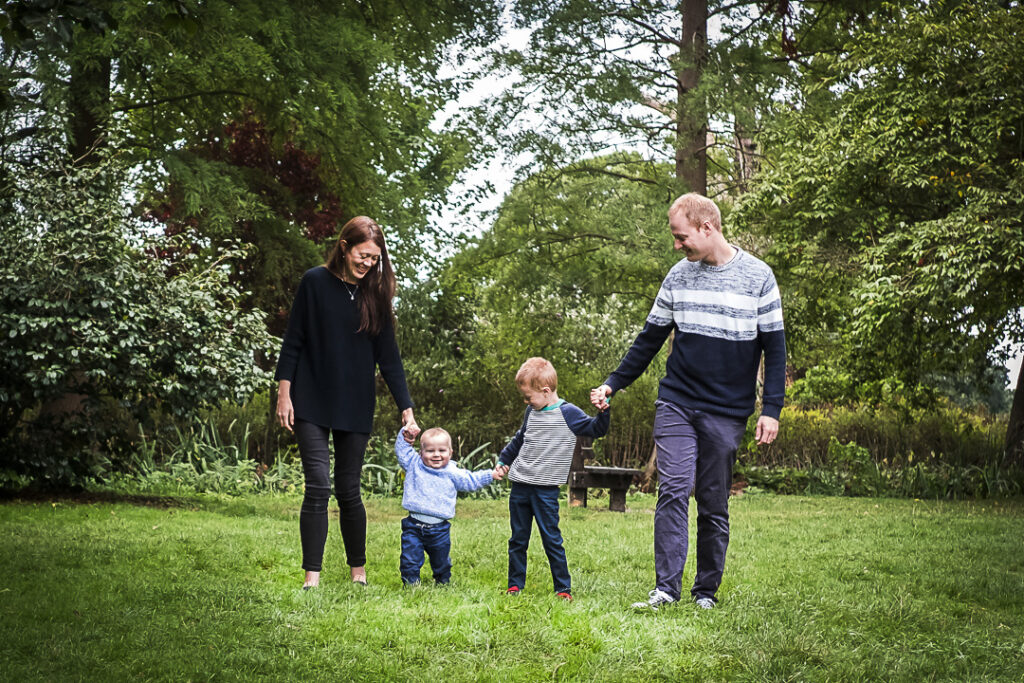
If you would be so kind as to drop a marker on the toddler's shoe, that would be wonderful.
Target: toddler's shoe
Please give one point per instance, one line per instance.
(512, 590)
(565, 596)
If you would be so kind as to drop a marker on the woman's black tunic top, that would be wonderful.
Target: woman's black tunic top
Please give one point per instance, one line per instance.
(332, 367)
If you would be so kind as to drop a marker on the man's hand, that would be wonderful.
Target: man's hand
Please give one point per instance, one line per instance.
(599, 397)
(767, 429)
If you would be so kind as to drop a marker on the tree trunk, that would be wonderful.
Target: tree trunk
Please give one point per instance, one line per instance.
(746, 155)
(1015, 429)
(88, 107)
(691, 119)
(88, 97)
(650, 471)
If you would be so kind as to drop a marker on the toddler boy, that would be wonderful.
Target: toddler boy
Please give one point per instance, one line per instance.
(432, 484)
(537, 461)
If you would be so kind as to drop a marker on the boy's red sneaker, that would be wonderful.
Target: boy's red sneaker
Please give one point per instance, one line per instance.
(512, 590)
(565, 596)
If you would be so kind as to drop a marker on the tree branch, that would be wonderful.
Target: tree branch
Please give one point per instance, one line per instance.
(607, 172)
(725, 8)
(178, 98)
(664, 38)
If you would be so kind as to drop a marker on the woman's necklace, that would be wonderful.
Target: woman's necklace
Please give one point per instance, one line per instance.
(351, 292)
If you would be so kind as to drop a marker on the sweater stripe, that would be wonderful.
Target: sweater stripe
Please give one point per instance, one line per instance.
(725, 317)
(546, 443)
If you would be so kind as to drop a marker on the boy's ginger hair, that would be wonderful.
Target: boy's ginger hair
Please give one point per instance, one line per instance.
(435, 432)
(537, 373)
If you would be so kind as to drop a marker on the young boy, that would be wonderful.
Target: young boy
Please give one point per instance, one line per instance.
(537, 461)
(432, 484)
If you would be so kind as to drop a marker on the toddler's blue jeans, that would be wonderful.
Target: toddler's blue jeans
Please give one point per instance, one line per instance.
(527, 503)
(435, 539)
(696, 451)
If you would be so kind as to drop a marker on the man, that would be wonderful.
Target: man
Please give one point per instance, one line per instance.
(724, 306)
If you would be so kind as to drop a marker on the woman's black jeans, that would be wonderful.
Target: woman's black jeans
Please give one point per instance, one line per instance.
(349, 448)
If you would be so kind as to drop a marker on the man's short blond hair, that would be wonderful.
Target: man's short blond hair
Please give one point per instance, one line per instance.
(434, 433)
(537, 373)
(697, 208)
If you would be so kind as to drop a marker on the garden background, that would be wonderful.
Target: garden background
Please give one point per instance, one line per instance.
(169, 169)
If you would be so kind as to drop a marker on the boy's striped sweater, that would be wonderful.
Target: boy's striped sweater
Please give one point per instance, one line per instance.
(541, 451)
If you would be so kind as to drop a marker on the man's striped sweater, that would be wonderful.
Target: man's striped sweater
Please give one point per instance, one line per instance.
(724, 317)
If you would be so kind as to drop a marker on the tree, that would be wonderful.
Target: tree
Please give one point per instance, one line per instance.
(94, 328)
(354, 83)
(647, 74)
(905, 198)
(568, 271)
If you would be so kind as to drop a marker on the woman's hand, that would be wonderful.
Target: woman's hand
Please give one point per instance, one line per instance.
(412, 429)
(285, 412)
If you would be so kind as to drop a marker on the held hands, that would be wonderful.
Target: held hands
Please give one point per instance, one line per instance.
(599, 397)
(767, 430)
(410, 429)
(499, 472)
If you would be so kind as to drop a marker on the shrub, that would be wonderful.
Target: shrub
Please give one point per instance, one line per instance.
(851, 470)
(891, 434)
(195, 458)
(97, 335)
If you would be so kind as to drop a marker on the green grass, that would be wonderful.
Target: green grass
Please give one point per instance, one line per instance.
(832, 589)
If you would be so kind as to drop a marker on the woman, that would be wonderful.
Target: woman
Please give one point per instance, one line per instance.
(341, 328)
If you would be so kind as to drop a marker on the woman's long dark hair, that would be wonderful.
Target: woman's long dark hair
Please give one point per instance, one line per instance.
(378, 285)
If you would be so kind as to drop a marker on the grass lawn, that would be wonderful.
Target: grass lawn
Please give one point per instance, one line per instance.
(834, 589)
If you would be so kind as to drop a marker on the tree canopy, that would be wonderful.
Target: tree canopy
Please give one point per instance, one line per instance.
(355, 84)
(896, 213)
(687, 83)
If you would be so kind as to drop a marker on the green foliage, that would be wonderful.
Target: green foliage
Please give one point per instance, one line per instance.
(895, 210)
(568, 271)
(893, 433)
(195, 459)
(96, 333)
(969, 388)
(893, 449)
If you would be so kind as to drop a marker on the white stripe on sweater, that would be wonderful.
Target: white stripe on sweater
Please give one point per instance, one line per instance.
(546, 454)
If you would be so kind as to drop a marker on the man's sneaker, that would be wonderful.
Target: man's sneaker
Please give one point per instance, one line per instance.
(705, 603)
(565, 596)
(512, 590)
(655, 599)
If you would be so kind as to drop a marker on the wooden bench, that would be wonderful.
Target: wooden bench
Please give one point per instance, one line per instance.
(582, 477)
